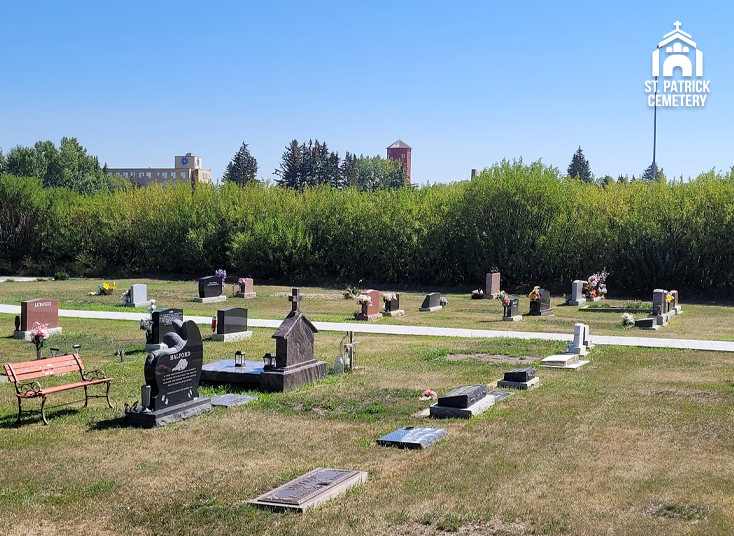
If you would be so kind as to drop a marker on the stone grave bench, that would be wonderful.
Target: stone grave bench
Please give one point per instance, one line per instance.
(21, 373)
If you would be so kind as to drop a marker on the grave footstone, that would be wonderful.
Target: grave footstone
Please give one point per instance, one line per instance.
(137, 296)
(245, 288)
(511, 312)
(210, 290)
(411, 437)
(310, 490)
(522, 378)
(42, 310)
(371, 311)
(647, 323)
(462, 402)
(392, 307)
(577, 293)
(542, 306)
(231, 325)
(171, 390)
(231, 400)
(432, 302)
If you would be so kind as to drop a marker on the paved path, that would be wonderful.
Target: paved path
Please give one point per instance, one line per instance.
(646, 342)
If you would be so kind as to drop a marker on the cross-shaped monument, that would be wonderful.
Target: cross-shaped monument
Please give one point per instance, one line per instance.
(295, 298)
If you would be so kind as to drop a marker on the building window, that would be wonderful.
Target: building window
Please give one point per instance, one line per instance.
(165, 174)
(124, 174)
(147, 174)
(183, 174)
(141, 174)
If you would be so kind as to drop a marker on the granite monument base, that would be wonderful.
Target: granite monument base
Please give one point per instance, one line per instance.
(362, 316)
(399, 312)
(229, 337)
(225, 371)
(26, 335)
(577, 302)
(161, 417)
(479, 407)
(430, 309)
(563, 361)
(519, 385)
(293, 377)
(213, 299)
(138, 304)
(646, 323)
(515, 318)
(246, 295)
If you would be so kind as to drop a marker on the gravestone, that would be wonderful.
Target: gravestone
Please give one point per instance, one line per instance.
(580, 340)
(137, 296)
(499, 394)
(42, 310)
(210, 289)
(462, 402)
(411, 437)
(392, 307)
(492, 285)
(432, 302)
(371, 311)
(519, 378)
(577, 293)
(231, 325)
(172, 379)
(295, 365)
(245, 289)
(162, 323)
(659, 302)
(673, 306)
(647, 323)
(542, 306)
(310, 490)
(510, 312)
(231, 400)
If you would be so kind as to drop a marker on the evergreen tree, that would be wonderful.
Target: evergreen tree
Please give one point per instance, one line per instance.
(348, 171)
(242, 168)
(579, 167)
(659, 175)
(291, 165)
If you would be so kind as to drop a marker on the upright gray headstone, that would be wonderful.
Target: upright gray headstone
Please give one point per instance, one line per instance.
(577, 293)
(138, 296)
(659, 301)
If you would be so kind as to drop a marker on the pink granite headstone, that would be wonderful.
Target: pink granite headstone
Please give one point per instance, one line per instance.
(245, 289)
(45, 311)
(371, 311)
(492, 286)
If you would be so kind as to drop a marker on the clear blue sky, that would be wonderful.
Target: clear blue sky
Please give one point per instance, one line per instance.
(465, 84)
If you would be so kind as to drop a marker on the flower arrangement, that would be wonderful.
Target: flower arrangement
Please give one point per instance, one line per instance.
(477, 294)
(669, 298)
(627, 320)
(39, 333)
(107, 288)
(364, 299)
(428, 394)
(240, 281)
(221, 273)
(443, 301)
(535, 293)
(595, 286)
(389, 296)
(503, 297)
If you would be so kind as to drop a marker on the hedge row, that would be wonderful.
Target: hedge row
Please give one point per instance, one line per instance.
(535, 225)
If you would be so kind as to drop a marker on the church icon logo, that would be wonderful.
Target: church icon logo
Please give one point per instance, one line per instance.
(677, 45)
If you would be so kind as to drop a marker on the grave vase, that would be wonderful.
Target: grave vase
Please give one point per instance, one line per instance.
(38, 353)
(365, 308)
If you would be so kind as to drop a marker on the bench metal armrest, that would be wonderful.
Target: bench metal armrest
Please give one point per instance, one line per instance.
(94, 375)
(26, 388)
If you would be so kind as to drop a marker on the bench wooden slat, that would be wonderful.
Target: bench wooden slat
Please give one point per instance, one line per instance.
(59, 388)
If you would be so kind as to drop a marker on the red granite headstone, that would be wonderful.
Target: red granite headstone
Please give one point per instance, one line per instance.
(45, 311)
(245, 289)
(372, 311)
(493, 285)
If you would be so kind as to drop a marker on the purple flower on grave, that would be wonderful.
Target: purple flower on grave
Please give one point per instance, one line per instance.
(221, 273)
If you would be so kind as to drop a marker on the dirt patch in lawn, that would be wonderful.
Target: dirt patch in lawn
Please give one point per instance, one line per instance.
(492, 358)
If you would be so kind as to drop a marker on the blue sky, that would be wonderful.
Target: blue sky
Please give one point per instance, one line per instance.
(465, 84)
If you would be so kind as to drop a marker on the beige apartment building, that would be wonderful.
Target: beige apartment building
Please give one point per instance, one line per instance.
(186, 169)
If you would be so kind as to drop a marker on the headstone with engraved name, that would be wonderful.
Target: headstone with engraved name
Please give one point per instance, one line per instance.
(171, 391)
(231, 325)
(210, 289)
(432, 302)
(42, 310)
(411, 437)
(310, 490)
(520, 378)
(511, 311)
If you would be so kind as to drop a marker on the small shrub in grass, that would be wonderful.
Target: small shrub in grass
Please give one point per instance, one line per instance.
(61, 276)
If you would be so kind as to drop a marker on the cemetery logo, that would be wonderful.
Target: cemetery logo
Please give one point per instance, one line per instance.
(679, 49)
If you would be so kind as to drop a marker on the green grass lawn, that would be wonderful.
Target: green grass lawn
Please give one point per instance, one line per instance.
(637, 442)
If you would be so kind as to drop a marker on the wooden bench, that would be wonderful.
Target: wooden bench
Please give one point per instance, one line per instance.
(21, 373)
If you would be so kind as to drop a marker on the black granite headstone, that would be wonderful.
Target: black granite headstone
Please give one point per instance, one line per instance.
(463, 397)
(412, 438)
(393, 305)
(231, 320)
(646, 323)
(524, 374)
(512, 308)
(210, 286)
(173, 372)
(163, 323)
(431, 300)
(542, 306)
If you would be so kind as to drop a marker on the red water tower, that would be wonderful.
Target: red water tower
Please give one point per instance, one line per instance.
(401, 151)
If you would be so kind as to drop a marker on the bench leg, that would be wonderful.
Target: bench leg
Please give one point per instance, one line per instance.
(20, 411)
(43, 411)
(108, 395)
(86, 396)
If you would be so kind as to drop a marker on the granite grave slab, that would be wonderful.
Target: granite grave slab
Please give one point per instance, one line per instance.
(231, 400)
(411, 437)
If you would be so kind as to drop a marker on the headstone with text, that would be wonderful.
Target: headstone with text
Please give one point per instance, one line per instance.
(542, 306)
(231, 325)
(41, 310)
(462, 402)
(210, 289)
(432, 302)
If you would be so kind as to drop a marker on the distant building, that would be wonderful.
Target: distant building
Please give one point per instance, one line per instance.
(186, 169)
(401, 151)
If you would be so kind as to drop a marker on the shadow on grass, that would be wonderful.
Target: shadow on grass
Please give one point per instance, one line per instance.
(33, 416)
(108, 424)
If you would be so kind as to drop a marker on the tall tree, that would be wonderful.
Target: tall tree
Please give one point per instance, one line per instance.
(242, 168)
(579, 167)
(659, 175)
(289, 172)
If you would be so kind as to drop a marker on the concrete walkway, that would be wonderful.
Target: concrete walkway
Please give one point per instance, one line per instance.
(645, 342)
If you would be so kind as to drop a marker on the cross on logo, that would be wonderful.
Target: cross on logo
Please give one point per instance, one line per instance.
(184, 160)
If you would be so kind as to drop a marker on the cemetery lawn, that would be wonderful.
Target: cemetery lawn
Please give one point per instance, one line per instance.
(700, 320)
(637, 442)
